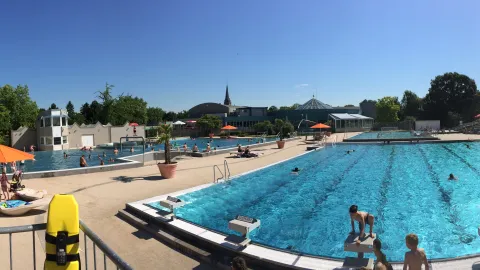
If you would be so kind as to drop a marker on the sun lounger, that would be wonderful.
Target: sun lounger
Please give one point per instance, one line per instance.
(21, 210)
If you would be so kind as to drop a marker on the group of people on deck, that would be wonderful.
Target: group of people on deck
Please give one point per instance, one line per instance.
(245, 152)
(413, 258)
(4, 183)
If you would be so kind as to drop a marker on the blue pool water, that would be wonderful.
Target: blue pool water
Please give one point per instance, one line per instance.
(219, 143)
(404, 186)
(373, 135)
(53, 160)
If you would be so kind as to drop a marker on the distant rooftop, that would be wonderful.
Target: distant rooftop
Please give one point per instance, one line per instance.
(314, 104)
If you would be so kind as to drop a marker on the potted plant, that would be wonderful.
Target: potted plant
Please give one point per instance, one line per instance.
(169, 168)
(284, 128)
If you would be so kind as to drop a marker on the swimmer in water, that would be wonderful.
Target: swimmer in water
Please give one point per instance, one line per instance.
(452, 177)
(296, 170)
(350, 151)
(467, 145)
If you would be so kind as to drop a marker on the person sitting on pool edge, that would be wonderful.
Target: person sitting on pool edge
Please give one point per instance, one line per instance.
(452, 177)
(363, 219)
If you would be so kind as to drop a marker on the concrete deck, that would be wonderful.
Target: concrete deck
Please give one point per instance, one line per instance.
(100, 196)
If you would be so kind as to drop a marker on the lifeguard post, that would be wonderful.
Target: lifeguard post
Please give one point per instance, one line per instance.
(365, 246)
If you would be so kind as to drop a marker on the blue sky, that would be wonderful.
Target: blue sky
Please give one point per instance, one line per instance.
(176, 54)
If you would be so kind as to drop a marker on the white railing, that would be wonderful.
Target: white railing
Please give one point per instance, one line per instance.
(215, 179)
(226, 170)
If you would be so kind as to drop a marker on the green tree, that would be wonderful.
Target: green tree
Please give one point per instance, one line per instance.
(70, 109)
(387, 109)
(349, 106)
(23, 110)
(96, 111)
(129, 108)
(272, 109)
(165, 135)
(107, 101)
(294, 106)
(77, 118)
(170, 116)
(265, 126)
(410, 105)
(53, 106)
(182, 115)
(5, 125)
(209, 122)
(154, 115)
(85, 112)
(450, 92)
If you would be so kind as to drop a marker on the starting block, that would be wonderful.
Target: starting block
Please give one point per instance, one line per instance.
(243, 225)
(365, 246)
(172, 203)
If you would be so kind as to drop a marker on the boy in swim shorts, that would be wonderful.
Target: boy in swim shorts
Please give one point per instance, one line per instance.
(363, 219)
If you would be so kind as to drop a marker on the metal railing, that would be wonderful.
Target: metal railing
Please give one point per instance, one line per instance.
(215, 180)
(96, 241)
(226, 169)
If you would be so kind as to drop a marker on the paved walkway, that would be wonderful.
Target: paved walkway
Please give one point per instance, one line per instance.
(101, 195)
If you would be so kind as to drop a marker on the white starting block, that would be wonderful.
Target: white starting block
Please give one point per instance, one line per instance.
(365, 246)
(243, 225)
(172, 203)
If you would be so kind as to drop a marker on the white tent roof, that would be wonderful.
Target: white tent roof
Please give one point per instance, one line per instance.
(179, 123)
(347, 116)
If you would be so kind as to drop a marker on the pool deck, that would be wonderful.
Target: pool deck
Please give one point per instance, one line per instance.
(101, 195)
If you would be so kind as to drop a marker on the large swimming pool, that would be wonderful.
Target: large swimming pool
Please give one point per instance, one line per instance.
(54, 160)
(404, 186)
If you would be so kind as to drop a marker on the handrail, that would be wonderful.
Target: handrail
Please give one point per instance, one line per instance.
(97, 242)
(226, 169)
(215, 180)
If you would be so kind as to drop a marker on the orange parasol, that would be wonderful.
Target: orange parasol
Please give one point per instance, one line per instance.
(228, 127)
(8, 154)
(320, 125)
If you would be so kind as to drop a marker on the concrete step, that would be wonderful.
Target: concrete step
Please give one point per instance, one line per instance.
(358, 263)
(365, 246)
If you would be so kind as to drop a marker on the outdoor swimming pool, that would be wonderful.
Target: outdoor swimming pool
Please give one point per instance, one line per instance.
(404, 186)
(394, 135)
(53, 160)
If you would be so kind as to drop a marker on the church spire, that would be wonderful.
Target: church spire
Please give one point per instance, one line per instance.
(227, 100)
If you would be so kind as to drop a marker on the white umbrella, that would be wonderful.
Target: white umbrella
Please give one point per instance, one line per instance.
(179, 123)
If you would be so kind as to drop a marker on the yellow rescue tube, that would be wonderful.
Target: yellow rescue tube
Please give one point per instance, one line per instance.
(62, 234)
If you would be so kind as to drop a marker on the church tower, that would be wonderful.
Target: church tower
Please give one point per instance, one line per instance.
(227, 100)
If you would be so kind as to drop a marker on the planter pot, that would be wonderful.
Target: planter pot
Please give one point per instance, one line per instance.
(167, 170)
(211, 135)
(280, 144)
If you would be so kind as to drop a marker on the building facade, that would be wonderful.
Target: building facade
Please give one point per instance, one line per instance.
(53, 132)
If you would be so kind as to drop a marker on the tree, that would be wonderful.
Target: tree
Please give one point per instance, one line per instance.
(182, 115)
(209, 122)
(450, 92)
(107, 100)
(349, 106)
(154, 115)
(5, 125)
(265, 126)
(53, 107)
(85, 112)
(77, 118)
(294, 106)
(96, 110)
(387, 109)
(285, 108)
(169, 116)
(128, 109)
(272, 109)
(70, 109)
(410, 105)
(23, 110)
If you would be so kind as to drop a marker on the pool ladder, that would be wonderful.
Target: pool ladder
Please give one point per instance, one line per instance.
(224, 175)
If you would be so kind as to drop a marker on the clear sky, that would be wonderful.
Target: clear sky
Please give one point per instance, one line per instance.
(176, 54)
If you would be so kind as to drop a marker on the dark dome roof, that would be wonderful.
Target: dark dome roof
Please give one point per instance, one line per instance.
(314, 104)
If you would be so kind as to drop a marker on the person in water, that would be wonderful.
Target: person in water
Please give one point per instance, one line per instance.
(363, 218)
(467, 145)
(416, 256)
(65, 155)
(296, 170)
(452, 177)
(350, 151)
(83, 162)
(115, 151)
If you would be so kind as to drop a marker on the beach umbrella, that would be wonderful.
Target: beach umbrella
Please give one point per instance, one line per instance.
(133, 124)
(8, 154)
(228, 127)
(179, 123)
(320, 126)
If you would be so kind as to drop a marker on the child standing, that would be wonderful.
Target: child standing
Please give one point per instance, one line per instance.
(3, 183)
(416, 256)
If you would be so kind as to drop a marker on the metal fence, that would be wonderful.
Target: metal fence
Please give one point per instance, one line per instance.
(88, 255)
